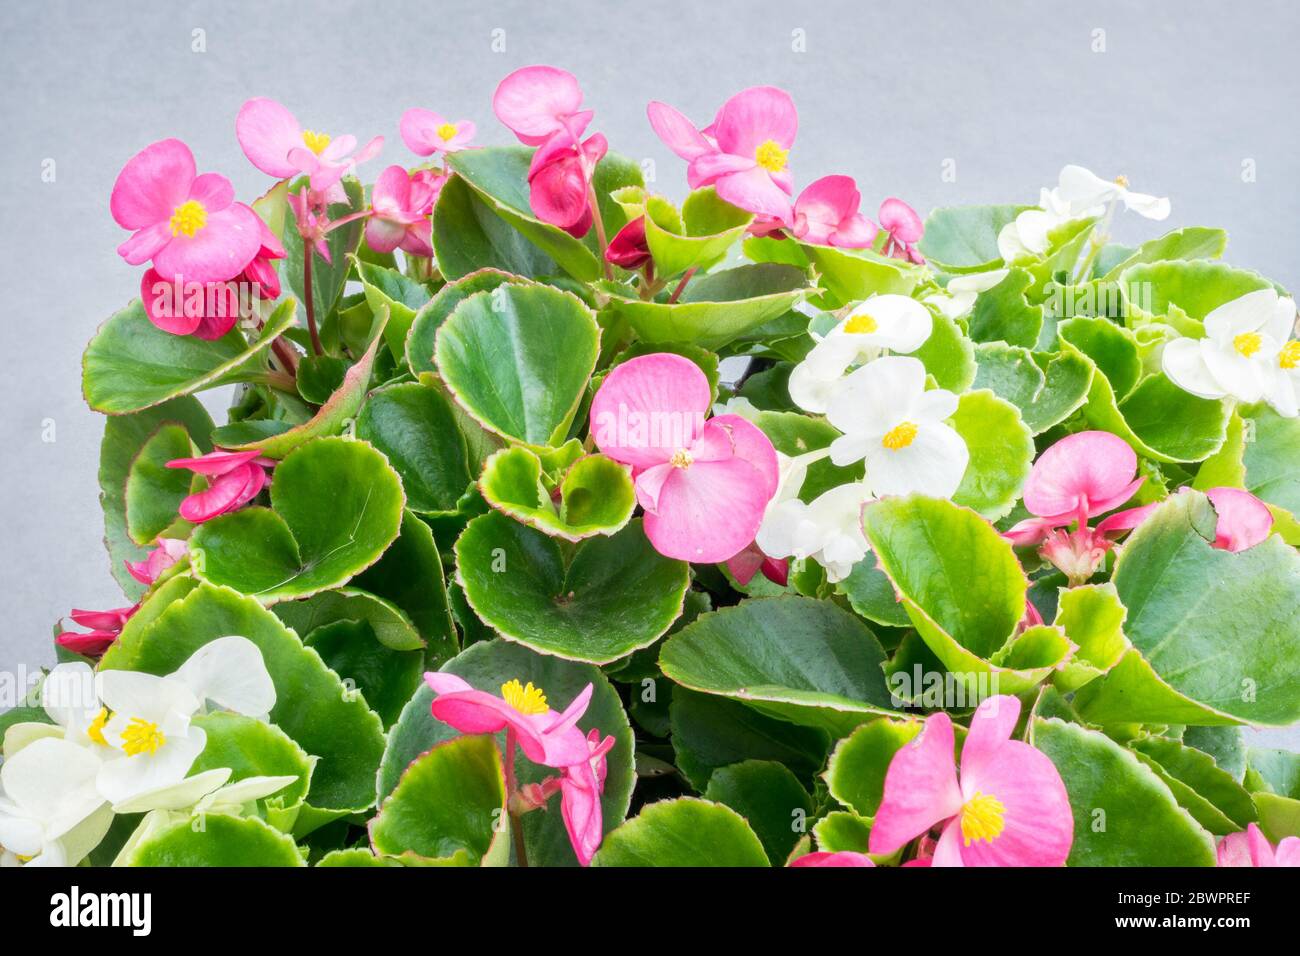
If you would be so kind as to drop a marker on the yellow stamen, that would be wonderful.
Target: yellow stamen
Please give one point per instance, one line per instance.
(24, 859)
(315, 141)
(982, 818)
(681, 459)
(900, 436)
(96, 729)
(446, 131)
(188, 218)
(771, 156)
(1121, 182)
(1247, 343)
(1290, 356)
(861, 324)
(525, 699)
(141, 737)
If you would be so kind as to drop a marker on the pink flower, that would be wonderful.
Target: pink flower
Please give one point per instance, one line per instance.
(401, 204)
(826, 214)
(539, 103)
(843, 858)
(310, 216)
(1253, 849)
(1009, 807)
(703, 484)
(166, 554)
(425, 132)
(743, 565)
(903, 228)
(1244, 521)
(105, 626)
(628, 248)
(743, 153)
(260, 273)
(581, 787)
(276, 143)
(188, 224)
(559, 182)
(234, 479)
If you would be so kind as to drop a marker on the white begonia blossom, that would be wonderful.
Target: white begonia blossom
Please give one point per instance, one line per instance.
(1027, 234)
(828, 530)
(959, 296)
(737, 405)
(51, 813)
(1084, 191)
(893, 322)
(1241, 355)
(1282, 387)
(889, 419)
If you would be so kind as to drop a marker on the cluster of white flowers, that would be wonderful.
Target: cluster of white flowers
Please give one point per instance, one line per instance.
(888, 419)
(123, 742)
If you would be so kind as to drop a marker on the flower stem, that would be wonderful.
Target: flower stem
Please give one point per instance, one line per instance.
(309, 302)
(516, 824)
(681, 286)
(599, 223)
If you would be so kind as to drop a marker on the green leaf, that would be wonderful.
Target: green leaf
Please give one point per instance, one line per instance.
(714, 309)
(425, 325)
(1001, 452)
(683, 832)
(696, 238)
(335, 507)
(948, 354)
(469, 237)
(596, 494)
(327, 278)
(489, 664)
(401, 297)
(1010, 372)
(871, 594)
(1236, 652)
(617, 594)
(1272, 459)
(320, 376)
(857, 768)
(153, 491)
(1003, 314)
(252, 748)
(518, 358)
(389, 624)
(414, 426)
(385, 676)
(1231, 804)
(796, 658)
(851, 275)
(131, 364)
(1112, 348)
(839, 831)
(1193, 242)
(124, 437)
(965, 238)
(312, 705)
(795, 434)
(223, 841)
(770, 798)
(1181, 293)
(1092, 617)
(710, 732)
(1226, 745)
(449, 805)
(1124, 815)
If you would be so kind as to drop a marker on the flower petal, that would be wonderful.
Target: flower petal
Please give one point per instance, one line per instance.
(920, 787)
(267, 131)
(152, 184)
(1244, 520)
(649, 407)
(708, 511)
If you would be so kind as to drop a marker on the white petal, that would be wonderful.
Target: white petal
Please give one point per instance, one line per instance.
(69, 696)
(147, 696)
(933, 464)
(1247, 313)
(933, 405)
(47, 773)
(776, 534)
(230, 672)
(21, 834)
(1241, 377)
(20, 735)
(1010, 248)
(248, 789)
(813, 384)
(1151, 207)
(77, 843)
(1281, 392)
(1281, 323)
(1182, 361)
(903, 324)
(1083, 189)
(1033, 226)
(869, 397)
(125, 777)
(176, 796)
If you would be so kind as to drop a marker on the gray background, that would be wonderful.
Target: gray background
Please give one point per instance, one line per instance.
(1183, 94)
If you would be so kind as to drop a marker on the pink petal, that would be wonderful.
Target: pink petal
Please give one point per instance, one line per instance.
(650, 484)
(267, 131)
(152, 183)
(1028, 532)
(571, 714)
(824, 204)
(706, 169)
(754, 191)
(900, 221)
(947, 851)
(855, 232)
(224, 494)
(419, 131)
(217, 252)
(1288, 852)
(1038, 824)
(533, 99)
(89, 644)
(842, 858)
(558, 193)
(1244, 520)
(749, 443)
(580, 808)
(113, 620)
(1126, 520)
(214, 462)
(990, 727)
(920, 787)
(1261, 851)
(213, 190)
(1093, 466)
(708, 511)
(754, 116)
(677, 132)
(383, 235)
(165, 303)
(1234, 850)
(146, 243)
(649, 407)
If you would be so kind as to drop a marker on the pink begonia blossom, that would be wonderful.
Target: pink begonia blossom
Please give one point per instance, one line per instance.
(742, 154)
(826, 214)
(425, 132)
(559, 178)
(903, 230)
(188, 224)
(277, 144)
(1252, 848)
(539, 103)
(166, 553)
(581, 787)
(842, 858)
(105, 626)
(703, 484)
(629, 249)
(743, 565)
(401, 203)
(312, 221)
(235, 478)
(1008, 806)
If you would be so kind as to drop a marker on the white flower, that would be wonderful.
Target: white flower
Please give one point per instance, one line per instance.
(1241, 354)
(1027, 234)
(1084, 190)
(889, 418)
(1282, 387)
(51, 813)
(894, 322)
(737, 405)
(829, 530)
(959, 297)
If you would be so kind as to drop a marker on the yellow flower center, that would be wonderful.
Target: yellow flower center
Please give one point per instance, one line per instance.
(1121, 181)
(142, 737)
(315, 141)
(1247, 343)
(188, 218)
(900, 436)
(681, 459)
(1290, 356)
(96, 729)
(446, 131)
(771, 156)
(525, 699)
(982, 818)
(861, 324)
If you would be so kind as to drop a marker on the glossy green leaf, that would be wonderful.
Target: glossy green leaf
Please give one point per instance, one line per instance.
(386, 677)
(223, 841)
(595, 495)
(1181, 293)
(792, 433)
(948, 354)
(840, 831)
(1002, 313)
(770, 798)
(468, 236)
(871, 594)
(253, 748)
(424, 327)
(1092, 617)
(389, 624)
(1001, 452)
(857, 768)
(851, 275)
(399, 296)
(965, 238)
(154, 491)
(1192, 242)
(683, 832)
(1198, 772)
